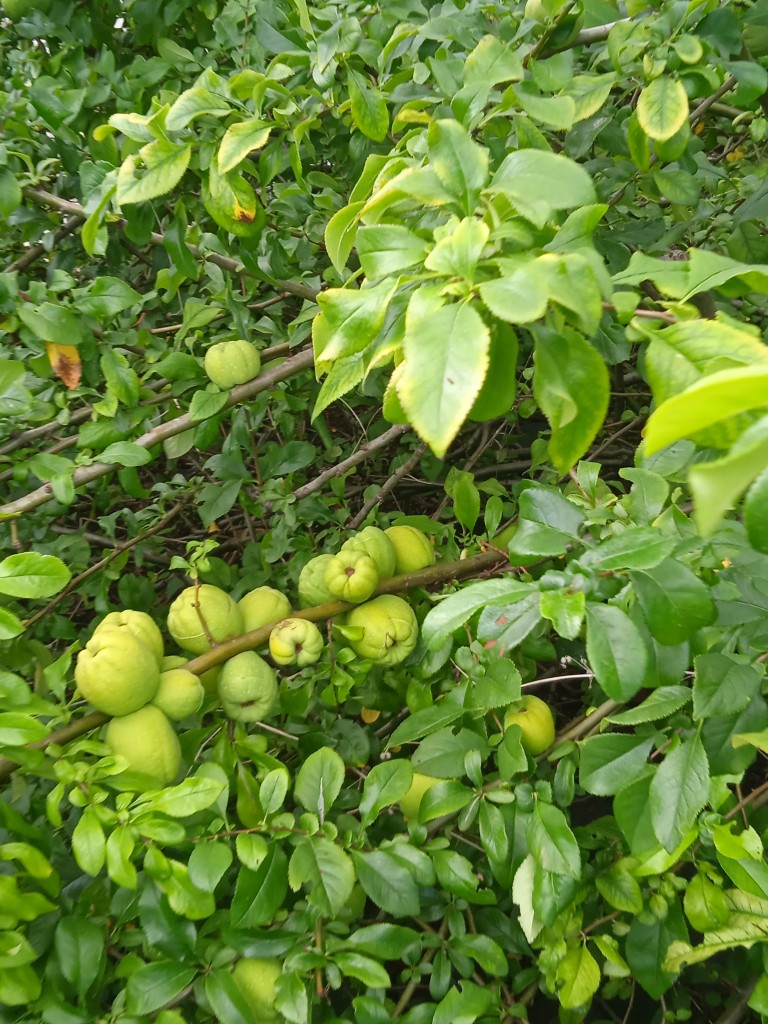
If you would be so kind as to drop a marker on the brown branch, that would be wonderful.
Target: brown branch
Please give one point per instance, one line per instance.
(388, 485)
(432, 576)
(298, 288)
(354, 460)
(87, 474)
(703, 107)
(34, 252)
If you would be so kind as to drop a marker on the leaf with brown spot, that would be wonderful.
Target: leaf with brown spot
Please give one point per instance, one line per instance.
(65, 363)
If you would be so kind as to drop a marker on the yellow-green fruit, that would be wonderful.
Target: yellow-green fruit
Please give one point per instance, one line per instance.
(180, 694)
(374, 542)
(410, 803)
(390, 630)
(247, 687)
(138, 623)
(413, 550)
(312, 588)
(232, 362)
(148, 743)
(351, 576)
(535, 719)
(295, 642)
(262, 607)
(197, 608)
(15, 9)
(116, 672)
(257, 980)
(209, 679)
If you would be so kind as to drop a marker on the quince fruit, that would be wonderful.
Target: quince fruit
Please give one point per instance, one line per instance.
(16, 9)
(247, 687)
(257, 980)
(209, 679)
(140, 624)
(390, 630)
(312, 588)
(146, 740)
(180, 694)
(197, 608)
(374, 542)
(535, 719)
(232, 362)
(295, 642)
(116, 672)
(413, 550)
(411, 802)
(263, 606)
(351, 576)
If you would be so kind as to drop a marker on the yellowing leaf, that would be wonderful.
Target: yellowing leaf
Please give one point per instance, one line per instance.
(65, 363)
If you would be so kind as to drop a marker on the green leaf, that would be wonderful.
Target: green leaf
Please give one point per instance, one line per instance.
(125, 453)
(154, 985)
(638, 547)
(227, 1000)
(10, 193)
(341, 232)
(620, 889)
(386, 941)
(521, 296)
(328, 872)
(15, 399)
(260, 894)
(388, 882)
(756, 505)
(363, 968)
(457, 253)
(616, 651)
(660, 704)
(353, 317)
(107, 297)
(319, 781)
(646, 949)
(490, 63)
(662, 108)
(208, 863)
(51, 322)
(609, 763)
(578, 977)
(544, 181)
(89, 843)
(33, 575)
(675, 602)
(549, 523)
(459, 163)
(384, 248)
(190, 797)
(446, 360)
(231, 201)
(453, 611)
(445, 798)
(679, 790)
(723, 685)
(369, 108)
(572, 388)
(747, 924)
(239, 140)
(81, 951)
(589, 93)
(565, 610)
(425, 722)
(463, 1007)
(194, 103)
(551, 842)
(155, 170)
(384, 785)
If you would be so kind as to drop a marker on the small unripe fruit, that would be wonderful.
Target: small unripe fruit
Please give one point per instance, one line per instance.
(413, 550)
(534, 717)
(148, 743)
(390, 630)
(411, 802)
(262, 607)
(203, 610)
(209, 679)
(232, 362)
(248, 688)
(351, 576)
(257, 980)
(116, 672)
(180, 694)
(295, 642)
(375, 543)
(312, 588)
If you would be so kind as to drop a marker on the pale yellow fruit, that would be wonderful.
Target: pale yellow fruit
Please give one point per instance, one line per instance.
(411, 802)
(390, 629)
(262, 607)
(535, 719)
(140, 624)
(180, 694)
(202, 611)
(148, 743)
(295, 642)
(312, 588)
(413, 550)
(257, 980)
(248, 688)
(116, 672)
(229, 363)
(209, 679)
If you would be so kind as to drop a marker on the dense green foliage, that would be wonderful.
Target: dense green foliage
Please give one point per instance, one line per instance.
(480, 247)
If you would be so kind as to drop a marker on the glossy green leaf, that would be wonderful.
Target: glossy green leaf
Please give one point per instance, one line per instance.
(662, 108)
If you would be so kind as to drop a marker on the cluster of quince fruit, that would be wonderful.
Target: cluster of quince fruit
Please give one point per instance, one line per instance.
(124, 672)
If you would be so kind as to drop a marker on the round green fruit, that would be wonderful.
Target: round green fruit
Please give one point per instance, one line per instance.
(295, 642)
(209, 679)
(257, 980)
(351, 576)
(148, 743)
(247, 687)
(497, 395)
(411, 802)
(312, 588)
(374, 542)
(232, 362)
(180, 694)
(390, 630)
(536, 721)
(262, 607)
(116, 672)
(413, 550)
(140, 624)
(197, 608)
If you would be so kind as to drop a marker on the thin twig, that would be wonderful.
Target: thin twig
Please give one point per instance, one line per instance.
(354, 460)
(34, 252)
(388, 486)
